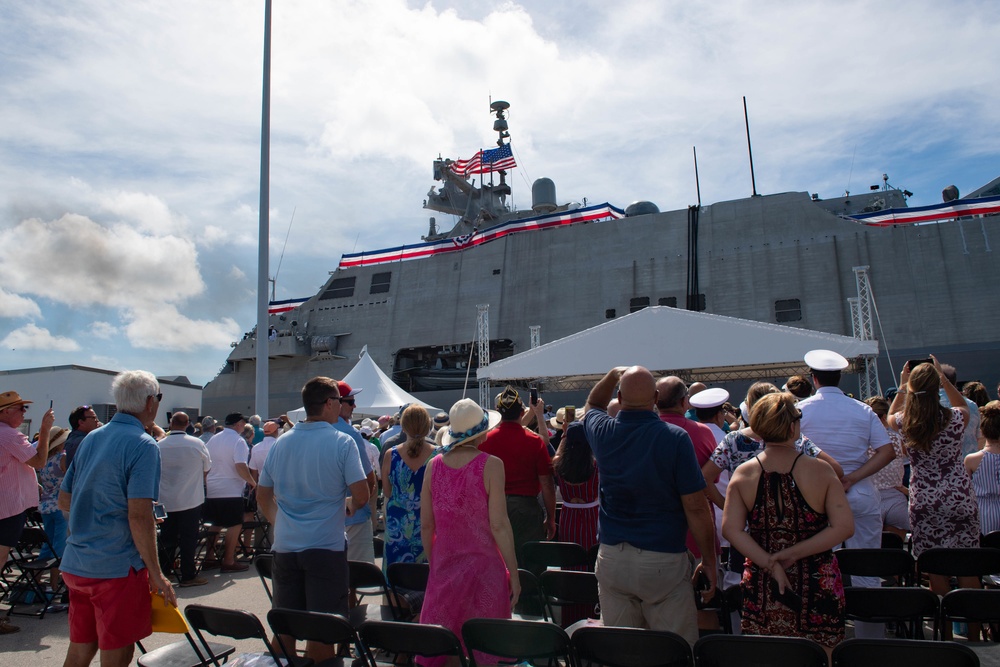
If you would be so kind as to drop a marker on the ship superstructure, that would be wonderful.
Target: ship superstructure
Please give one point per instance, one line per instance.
(785, 258)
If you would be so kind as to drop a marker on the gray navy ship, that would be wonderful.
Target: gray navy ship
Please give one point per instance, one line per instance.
(560, 268)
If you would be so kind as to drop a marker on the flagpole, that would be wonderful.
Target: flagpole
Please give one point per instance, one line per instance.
(263, 340)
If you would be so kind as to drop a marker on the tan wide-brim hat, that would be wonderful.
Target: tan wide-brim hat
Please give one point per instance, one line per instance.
(11, 398)
(57, 438)
(468, 421)
(557, 421)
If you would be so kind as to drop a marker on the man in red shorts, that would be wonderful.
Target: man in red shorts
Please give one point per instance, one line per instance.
(110, 563)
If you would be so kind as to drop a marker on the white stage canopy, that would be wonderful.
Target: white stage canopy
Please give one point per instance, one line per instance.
(693, 345)
(379, 395)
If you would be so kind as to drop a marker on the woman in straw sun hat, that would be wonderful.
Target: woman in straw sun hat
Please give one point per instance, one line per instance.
(465, 530)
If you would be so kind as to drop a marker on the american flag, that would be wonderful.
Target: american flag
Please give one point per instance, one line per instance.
(483, 162)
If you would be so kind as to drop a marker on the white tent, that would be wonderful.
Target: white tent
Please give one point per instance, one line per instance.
(379, 395)
(699, 346)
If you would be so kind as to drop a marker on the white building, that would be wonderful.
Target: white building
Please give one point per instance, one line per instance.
(69, 387)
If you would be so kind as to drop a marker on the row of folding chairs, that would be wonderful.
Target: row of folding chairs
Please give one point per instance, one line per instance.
(911, 608)
(552, 590)
(388, 642)
(898, 567)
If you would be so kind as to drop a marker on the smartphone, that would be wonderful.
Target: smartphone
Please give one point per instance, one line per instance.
(159, 511)
(570, 413)
(50, 405)
(916, 362)
(789, 598)
(534, 396)
(701, 585)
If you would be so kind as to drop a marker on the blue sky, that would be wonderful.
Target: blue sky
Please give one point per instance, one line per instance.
(129, 136)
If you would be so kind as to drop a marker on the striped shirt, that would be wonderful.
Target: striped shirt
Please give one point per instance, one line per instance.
(986, 484)
(18, 483)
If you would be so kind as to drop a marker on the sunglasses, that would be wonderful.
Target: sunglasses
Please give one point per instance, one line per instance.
(349, 401)
(158, 397)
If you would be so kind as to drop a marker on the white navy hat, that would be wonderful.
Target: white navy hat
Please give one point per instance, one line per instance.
(825, 360)
(709, 398)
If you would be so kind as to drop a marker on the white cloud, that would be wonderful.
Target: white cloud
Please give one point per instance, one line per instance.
(13, 305)
(236, 273)
(87, 263)
(149, 212)
(165, 327)
(33, 337)
(104, 330)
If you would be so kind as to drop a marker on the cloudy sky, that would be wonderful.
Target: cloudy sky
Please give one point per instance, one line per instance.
(129, 135)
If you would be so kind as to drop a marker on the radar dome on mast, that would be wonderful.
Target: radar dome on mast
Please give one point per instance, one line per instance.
(543, 196)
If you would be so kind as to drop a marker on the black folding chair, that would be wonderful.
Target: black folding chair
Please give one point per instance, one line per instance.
(567, 587)
(517, 640)
(537, 556)
(990, 540)
(973, 605)
(264, 564)
(410, 639)
(27, 589)
(892, 540)
(751, 650)
(235, 624)
(908, 652)
(314, 626)
(976, 562)
(411, 576)
(893, 565)
(630, 647)
(907, 607)
(180, 653)
(367, 580)
(532, 598)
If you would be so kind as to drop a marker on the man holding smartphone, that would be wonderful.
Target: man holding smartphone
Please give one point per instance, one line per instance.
(527, 470)
(18, 484)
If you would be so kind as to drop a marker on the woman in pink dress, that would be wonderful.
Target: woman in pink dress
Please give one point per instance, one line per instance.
(465, 530)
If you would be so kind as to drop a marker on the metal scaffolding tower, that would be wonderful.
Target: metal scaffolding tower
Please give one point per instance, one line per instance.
(536, 338)
(861, 321)
(483, 335)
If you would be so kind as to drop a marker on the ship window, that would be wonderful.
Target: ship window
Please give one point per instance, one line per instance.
(696, 302)
(341, 288)
(380, 283)
(496, 272)
(609, 314)
(638, 303)
(670, 301)
(787, 310)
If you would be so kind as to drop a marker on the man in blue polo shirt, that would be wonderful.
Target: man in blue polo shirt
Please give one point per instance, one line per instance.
(652, 491)
(110, 563)
(306, 476)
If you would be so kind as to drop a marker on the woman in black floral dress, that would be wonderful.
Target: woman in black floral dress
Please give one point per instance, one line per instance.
(795, 511)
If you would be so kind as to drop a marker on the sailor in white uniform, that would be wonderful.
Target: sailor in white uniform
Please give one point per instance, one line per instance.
(844, 428)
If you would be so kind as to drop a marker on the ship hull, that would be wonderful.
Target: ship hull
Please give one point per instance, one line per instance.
(781, 258)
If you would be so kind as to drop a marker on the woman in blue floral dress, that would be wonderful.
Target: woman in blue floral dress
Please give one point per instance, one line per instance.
(402, 479)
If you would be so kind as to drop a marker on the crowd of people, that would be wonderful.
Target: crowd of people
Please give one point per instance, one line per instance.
(677, 491)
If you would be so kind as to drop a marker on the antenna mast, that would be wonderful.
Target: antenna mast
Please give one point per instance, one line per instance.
(746, 119)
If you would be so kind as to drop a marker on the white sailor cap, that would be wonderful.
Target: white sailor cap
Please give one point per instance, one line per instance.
(709, 398)
(825, 360)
